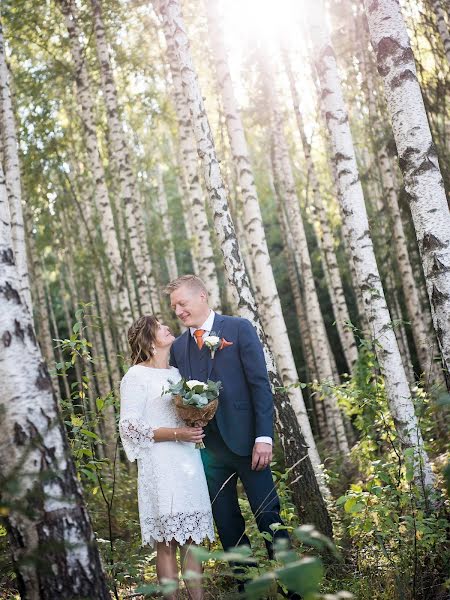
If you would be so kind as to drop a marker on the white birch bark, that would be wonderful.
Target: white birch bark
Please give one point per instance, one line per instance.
(442, 26)
(12, 175)
(148, 264)
(286, 184)
(324, 235)
(354, 211)
(42, 320)
(417, 156)
(423, 338)
(307, 495)
(253, 229)
(294, 281)
(35, 455)
(163, 210)
(202, 246)
(120, 156)
(119, 296)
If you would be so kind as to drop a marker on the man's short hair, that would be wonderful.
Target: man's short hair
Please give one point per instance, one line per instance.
(191, 281)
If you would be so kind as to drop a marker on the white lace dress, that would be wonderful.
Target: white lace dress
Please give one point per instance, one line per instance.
(172, 491)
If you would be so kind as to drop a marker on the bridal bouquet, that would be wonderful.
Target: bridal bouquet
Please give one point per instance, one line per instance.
(195, 401)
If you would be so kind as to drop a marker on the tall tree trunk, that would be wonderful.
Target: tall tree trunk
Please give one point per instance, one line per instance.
(304, 484)
(263, 279)
(12, 174)
(42, 322)
(149, 265)
(423, 338)
(417, 158)
(57, 335)
(202, 249)
(47, 513)
(120, 157)
(418, 313)
(117, 270)
(324, 235)
(443, 27)
(286, 184)
(354, 211)
(163, 210)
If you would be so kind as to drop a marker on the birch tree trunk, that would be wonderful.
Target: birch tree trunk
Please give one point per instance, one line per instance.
(119, 297)
(202, 248)
(417, 158)
(148, 264)
(418, 313)
(423, 338)
(253, 229)
(12, 175)
(442, 26)
(120, 157)
(354, 212)
(163, 210)
(43, 323)
(286, 184)
(35, 456)
(304, 484)
(324, 235)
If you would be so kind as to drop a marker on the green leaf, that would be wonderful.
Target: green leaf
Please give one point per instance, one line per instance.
(349, 503)
(100, 403)
(303, 576)
(259, 587)
(309, 536)
(76, 421)
(90, 434)
(76, 328)
(89, 474)
(357, 507)
(147, 589)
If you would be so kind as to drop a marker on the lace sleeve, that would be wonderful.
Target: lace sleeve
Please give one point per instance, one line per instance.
(135, 433)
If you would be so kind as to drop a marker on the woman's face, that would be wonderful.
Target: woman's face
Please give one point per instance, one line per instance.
(164, 337)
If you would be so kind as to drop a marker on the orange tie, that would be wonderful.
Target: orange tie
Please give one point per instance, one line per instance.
(198, 334)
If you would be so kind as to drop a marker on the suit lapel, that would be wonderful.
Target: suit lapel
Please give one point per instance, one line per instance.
(187, 357)
(217, 330)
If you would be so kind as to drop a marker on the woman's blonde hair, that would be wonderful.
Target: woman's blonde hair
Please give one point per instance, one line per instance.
(142, 338)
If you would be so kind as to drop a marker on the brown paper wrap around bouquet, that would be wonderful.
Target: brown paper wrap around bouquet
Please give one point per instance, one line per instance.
(193, 416)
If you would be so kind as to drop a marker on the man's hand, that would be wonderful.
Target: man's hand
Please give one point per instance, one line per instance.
(261, 456)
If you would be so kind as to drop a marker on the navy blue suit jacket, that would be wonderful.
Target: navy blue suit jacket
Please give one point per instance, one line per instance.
(245, 408)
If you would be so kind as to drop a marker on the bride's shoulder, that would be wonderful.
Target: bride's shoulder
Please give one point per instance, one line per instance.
(134, 374)
(174, 372)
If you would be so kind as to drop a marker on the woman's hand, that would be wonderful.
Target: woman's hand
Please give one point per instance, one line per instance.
(189, 434)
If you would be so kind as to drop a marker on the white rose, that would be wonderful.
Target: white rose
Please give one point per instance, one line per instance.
(192, 383)
(211, 340)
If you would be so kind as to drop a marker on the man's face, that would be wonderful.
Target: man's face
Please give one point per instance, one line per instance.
(190, 305)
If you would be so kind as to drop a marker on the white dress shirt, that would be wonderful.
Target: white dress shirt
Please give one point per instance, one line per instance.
(207, 326)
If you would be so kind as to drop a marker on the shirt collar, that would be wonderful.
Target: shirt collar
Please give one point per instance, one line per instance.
(207, 325)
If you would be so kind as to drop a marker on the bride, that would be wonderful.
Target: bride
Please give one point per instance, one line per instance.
(174, 505)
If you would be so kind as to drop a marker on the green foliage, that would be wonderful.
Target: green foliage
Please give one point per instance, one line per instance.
(397, 533)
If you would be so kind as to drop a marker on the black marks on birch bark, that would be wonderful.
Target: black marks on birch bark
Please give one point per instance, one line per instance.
(430, 243)
(43, 379)
(406, 75)
(10, 293)
(7, 257)
(389, 48)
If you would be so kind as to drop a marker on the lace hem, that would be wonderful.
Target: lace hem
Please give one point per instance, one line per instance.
(136, 437)
(179, 526)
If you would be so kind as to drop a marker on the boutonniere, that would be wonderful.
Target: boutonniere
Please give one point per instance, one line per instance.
(214, 343)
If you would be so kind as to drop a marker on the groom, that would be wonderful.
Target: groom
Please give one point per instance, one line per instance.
(239, 438)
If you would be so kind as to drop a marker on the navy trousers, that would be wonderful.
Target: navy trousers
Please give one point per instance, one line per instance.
(223, 468)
